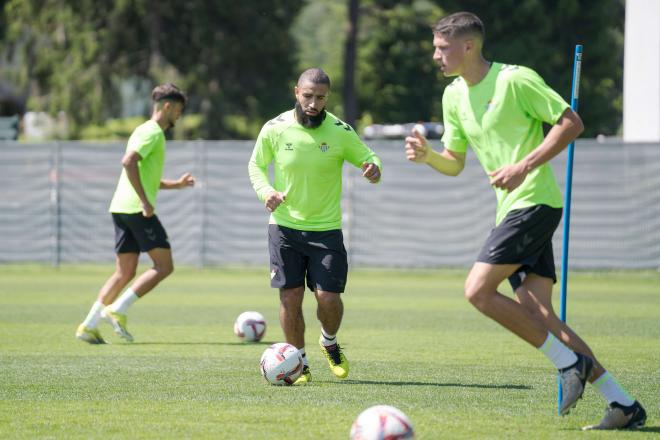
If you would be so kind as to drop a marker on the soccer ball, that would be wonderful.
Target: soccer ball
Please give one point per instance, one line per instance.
(382, 422)
(281, 364)
(250, 326)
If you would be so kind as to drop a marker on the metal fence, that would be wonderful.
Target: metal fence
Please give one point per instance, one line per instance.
(54, 199)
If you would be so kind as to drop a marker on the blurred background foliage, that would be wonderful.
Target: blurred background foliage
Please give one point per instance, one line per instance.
(238, 61)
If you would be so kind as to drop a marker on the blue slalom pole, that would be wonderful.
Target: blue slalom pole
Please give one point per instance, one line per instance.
(575, 96)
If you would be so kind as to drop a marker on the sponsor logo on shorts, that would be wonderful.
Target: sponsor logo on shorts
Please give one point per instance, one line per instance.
(150, 233)
(520, 247)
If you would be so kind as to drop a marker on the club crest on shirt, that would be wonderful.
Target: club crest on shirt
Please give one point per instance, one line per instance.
(324, 147)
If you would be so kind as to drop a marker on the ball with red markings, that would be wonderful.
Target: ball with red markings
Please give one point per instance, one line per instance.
(281, 364)
(382, 422)
(250, 326)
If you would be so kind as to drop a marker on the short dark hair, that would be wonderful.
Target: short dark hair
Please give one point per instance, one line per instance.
(169, 92)
(314, 75)
(460, 24)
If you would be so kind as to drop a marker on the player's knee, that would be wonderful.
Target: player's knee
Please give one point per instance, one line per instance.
(329, 299)
(471, 295)
(477, 296)
(291, 305)
(168, 270)
(165, 269)
(125, 275)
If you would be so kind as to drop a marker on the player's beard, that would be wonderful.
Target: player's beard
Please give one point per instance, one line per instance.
(309, 121)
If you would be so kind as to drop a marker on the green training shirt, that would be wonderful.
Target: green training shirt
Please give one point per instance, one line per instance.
(501, 118)
(307, 164)
(148, 140)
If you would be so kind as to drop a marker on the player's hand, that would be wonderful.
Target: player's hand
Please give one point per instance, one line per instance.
(371, 172)
(273, 200)
(147, 209)
(417, 148)
(508, 177)
(185, 180)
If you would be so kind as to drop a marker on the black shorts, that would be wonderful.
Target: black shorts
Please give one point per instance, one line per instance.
(524, 237)
(135, 233)
(318, 256)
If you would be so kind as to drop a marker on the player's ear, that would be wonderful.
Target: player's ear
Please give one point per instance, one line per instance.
(468, 44)
(295, 91)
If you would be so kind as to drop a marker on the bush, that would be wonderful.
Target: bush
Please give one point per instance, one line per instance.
(120, 129)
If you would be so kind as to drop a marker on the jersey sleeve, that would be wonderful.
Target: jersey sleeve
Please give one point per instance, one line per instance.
(357, 153)
(453, 137)
(262, 156)
(537, 98)
(143, 142)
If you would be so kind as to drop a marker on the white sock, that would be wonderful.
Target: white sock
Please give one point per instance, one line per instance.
(327, 339)
(304, 356)
(93, 316)
(612, 391)
(559, 354)
(122, 303)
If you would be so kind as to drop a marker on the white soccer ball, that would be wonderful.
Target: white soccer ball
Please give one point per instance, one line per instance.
(281, 364)
(250, 326)
(382, 422)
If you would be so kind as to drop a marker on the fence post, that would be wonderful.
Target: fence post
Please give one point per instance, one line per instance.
(201, 154)
(54, 177)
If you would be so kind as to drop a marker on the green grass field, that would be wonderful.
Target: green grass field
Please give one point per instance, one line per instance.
(412, 340)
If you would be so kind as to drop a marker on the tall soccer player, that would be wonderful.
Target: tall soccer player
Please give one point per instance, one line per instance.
(499, 109)
(307, 147)
(137, 227)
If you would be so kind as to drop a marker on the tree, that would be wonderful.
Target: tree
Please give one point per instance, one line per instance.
(398, 80)
(392, 34)
(239, 61)
(350, 53)
(320, 41)
(235, 61)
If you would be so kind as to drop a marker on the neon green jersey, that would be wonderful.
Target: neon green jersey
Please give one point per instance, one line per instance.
(307, 164)
(501, 118)
(148, 140)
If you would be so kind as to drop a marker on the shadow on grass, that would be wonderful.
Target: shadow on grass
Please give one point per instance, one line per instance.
(434, 384)
(627, 431)
(646, 429)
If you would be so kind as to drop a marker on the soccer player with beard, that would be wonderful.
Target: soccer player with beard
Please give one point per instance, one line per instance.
(307, 147)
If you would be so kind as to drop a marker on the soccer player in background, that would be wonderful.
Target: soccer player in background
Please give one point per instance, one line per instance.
(137, 228)
(307, 147)
(499, 109)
